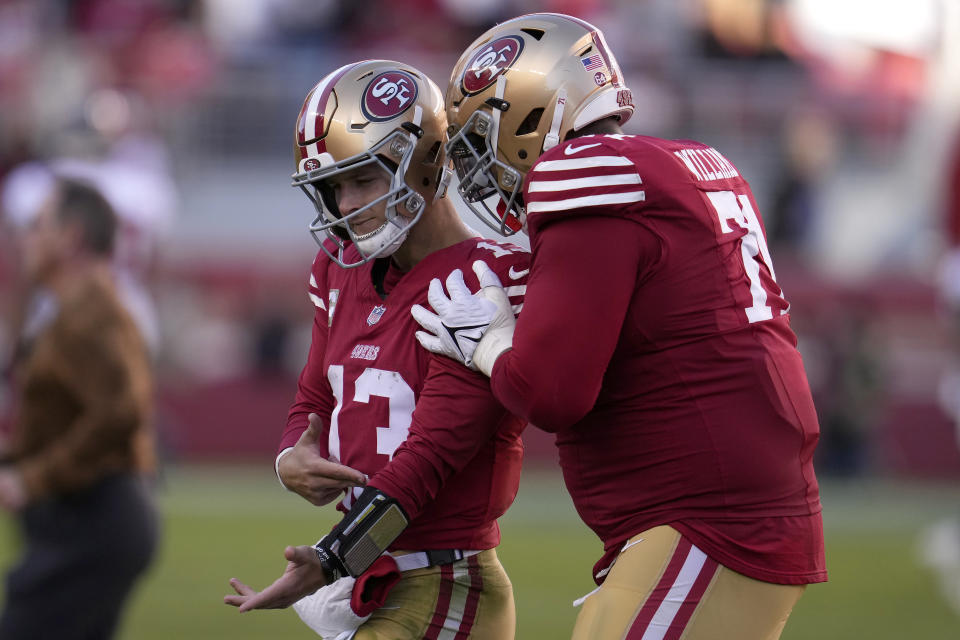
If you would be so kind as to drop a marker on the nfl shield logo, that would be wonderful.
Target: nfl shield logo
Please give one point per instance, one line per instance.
(376, 314)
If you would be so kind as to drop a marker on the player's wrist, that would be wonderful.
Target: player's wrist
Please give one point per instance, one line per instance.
(498, 337)
(364, 533)
(333, 567)
(277, 467)
(494, 344)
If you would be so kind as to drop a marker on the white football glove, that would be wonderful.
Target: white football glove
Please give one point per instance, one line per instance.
(328, 612)
(471, 328)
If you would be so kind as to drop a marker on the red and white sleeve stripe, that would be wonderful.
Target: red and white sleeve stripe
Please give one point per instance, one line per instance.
(583, 181)
(514, 282)
(316, 296)
(515, 295)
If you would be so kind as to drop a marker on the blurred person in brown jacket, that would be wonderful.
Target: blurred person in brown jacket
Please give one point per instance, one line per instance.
(82, 441)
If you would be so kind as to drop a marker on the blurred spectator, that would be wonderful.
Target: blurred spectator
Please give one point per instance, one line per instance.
(949, 285)
(808, 148)
(134, 179)
(270, 350)
(849, 394)
(82, 442)
(939, 544)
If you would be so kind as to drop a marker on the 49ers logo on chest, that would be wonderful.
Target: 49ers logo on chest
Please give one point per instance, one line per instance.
(488, 62)
(388, 95)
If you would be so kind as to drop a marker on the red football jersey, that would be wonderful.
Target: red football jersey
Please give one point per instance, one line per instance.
(373, 385)
(656, 343)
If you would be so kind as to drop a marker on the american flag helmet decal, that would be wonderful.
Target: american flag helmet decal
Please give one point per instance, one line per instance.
(593, 62)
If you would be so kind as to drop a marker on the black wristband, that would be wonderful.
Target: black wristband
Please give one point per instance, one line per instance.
(366, 531)
(333, 569)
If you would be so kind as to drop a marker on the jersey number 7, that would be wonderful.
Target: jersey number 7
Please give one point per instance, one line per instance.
(753, 248)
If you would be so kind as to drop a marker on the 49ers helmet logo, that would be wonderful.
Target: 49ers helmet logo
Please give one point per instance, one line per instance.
(488, 62)
(388, 95)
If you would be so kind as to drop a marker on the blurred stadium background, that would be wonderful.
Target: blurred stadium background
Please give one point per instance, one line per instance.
(842, 114)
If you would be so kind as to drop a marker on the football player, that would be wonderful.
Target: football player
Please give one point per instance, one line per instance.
(442, 455)
(654, 341)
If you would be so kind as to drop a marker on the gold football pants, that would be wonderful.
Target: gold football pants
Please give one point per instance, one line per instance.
(664, 588)
(471, 598)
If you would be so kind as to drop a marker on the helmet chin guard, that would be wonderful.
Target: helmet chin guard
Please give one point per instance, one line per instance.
(473, 151)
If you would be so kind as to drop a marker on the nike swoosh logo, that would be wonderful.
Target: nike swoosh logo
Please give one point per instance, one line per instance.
(517, 274)
(569, 151)
(453, 335)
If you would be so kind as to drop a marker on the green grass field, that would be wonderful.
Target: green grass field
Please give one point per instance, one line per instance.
(234, 521)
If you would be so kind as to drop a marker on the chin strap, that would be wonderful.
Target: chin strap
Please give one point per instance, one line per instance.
(552, 138)
(495, 130)
(446, 174)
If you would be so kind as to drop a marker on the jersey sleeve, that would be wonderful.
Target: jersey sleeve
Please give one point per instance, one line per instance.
(456, 414)
(582, 177)
(581, 282)
(314, 394)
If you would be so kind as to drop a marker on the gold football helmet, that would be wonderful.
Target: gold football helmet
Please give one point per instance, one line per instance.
(380, 113)
(518, 91)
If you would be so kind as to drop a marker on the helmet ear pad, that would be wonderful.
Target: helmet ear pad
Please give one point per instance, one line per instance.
(413, 202)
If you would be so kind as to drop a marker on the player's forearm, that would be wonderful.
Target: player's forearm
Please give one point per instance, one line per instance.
(577, 297)
(456, 416)
(536, 395)
(310, 398)
(411, 479)
(423, 465)
(314, 394)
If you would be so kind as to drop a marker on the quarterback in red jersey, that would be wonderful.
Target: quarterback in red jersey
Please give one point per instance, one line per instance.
(655, 341)
(442, 455)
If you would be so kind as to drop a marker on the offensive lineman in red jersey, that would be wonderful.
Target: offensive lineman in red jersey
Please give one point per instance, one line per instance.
(654, 340)
(369, 155)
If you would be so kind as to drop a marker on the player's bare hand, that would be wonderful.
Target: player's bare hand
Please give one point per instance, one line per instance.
(303, 576)
(306, 472)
